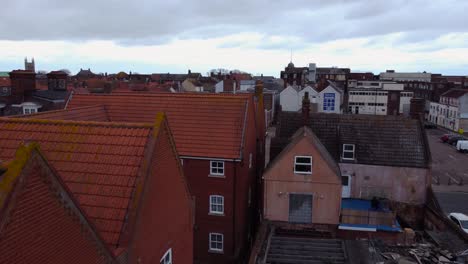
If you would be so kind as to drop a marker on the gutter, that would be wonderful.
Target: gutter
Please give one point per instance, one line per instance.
(243, 130)
(208, 158)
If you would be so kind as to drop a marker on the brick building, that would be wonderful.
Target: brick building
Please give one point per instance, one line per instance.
(126, 178)
(22, 96)
(219, 139)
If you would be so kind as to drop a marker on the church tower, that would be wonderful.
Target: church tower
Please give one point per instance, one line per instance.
(29, 66)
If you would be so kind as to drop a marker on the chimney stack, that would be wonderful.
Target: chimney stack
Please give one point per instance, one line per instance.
(23, 83)
(306, 109)
(417, 107)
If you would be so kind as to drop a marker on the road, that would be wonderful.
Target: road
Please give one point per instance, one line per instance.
(449, 167)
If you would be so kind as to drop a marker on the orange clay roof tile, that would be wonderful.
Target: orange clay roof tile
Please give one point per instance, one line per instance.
(97, 161)
(202, 125)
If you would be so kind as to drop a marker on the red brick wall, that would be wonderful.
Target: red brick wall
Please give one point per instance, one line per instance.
(202, 186)
(165, 216)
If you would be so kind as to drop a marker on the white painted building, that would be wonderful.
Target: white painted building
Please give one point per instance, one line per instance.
(451, 111)
(313, 95)
(390, 75)
(375, 97)
(330, 100)
(289, 99)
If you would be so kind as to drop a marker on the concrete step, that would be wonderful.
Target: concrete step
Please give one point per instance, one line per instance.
(284, 258)
(305, 248)
(306, 240)
(307, 255)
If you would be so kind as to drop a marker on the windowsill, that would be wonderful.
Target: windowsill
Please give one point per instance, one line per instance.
(303, 173)
(216, 251)
(216, 176)
(216, 214)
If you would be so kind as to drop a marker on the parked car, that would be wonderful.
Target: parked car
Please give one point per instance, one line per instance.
(429, 125)
(444, 138)
(453, 140)
(462, 146)
(461, 220)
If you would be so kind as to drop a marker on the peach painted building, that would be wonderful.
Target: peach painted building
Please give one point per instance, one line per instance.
(303, 183)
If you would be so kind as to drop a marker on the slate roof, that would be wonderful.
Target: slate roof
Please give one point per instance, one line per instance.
(99, 162)
(306, 132)
(50, 95)
(379, 140)
(455, 93)
(203, 125)
(40, 221)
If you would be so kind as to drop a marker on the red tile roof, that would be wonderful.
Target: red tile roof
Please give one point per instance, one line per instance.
(99, 162)
(5, 82)
(40, 221)
(203, 125)
(88, 113)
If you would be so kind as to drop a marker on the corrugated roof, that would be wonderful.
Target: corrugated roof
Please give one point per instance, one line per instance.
(40, 221)
(99, 162)
(202, 125)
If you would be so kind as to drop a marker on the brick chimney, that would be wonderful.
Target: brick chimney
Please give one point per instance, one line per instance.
(306, 109)
(57, 81)
(22, 83)
(417, 107)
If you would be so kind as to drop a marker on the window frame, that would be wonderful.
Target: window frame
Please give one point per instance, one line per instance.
(216, 250)
(217, 168)
(301, 163)
(27, 110)
(348, 151)
(211, 212)
(163, 259)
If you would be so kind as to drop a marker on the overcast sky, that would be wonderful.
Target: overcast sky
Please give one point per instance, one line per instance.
(256, 36)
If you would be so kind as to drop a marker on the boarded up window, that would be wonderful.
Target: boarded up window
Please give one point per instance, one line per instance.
(300, 208)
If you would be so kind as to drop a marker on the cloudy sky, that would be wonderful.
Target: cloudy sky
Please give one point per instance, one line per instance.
(257, 36)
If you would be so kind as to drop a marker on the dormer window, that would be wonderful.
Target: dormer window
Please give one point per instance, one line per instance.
(303, 164)
(348, 151)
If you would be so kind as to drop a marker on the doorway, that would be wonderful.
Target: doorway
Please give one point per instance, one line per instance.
(346, 186)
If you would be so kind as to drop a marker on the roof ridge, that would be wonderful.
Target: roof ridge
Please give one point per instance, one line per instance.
(65, 110)
(72, 122)
(205, 95)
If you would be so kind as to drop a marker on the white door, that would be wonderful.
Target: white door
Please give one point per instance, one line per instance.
(346, 183)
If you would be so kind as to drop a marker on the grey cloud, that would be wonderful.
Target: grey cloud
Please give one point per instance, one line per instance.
(150, 22)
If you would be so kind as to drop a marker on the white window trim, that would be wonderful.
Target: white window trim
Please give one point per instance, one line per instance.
(216, 212)
(353, 151)
(296, 163)
(168, 252)
(217, 250)
(211, 168)
(31, 110)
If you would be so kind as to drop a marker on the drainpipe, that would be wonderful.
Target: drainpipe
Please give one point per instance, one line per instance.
(234, 208)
